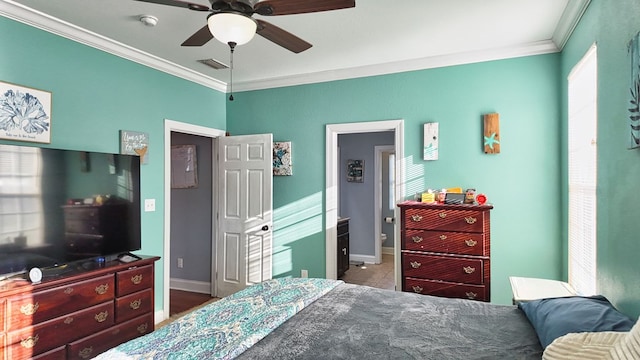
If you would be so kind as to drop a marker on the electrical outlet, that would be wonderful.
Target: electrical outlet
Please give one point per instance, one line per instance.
(149, 205)
(304, 273)
(180, 263)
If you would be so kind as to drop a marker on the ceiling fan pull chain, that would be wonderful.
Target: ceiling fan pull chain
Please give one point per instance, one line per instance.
(232, 46)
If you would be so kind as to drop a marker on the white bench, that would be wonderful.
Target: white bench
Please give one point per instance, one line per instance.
(527, 289)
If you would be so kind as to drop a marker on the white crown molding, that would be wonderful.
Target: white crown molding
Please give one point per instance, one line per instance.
(570, 17)
(568, 21)
(31, 17)
(537, 48)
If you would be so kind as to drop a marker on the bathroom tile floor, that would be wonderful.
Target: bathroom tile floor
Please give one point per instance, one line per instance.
(375, 275)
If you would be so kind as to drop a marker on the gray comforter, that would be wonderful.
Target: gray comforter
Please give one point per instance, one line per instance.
(359, 322)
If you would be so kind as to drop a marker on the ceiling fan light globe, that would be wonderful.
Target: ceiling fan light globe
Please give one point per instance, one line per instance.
(232, 27)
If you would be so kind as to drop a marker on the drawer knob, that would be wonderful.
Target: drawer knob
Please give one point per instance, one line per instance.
(29, 309)
(102, 317)
(415, 264)
(470, 220)
(143, 328)
(85, 353)
(471, 242)
(443, 237)
(471, 295)
(135, 304)
(417, 289)
(30, 342)
(417, 239)
(442, 215)
(416, 218)
(137, 279)
(68, 320)
(469, 269)
(68, 291)
(102, 289)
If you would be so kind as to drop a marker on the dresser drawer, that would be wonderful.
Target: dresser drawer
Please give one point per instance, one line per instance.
(48, 304)
(136, 279)
(445, 289)
(26, 342)
(133, 305)
(97, 343)
(83, 227)
(454, 269)
(343, 227)
(444, 242)
(444, 219)
(81, 213)
(59, 353)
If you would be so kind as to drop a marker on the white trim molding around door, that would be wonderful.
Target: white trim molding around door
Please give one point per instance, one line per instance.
(332, 182)
(171, 126)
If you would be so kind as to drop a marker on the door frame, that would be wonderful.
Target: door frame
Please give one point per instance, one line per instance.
(332, 182)
(185, 128)
(377, 211)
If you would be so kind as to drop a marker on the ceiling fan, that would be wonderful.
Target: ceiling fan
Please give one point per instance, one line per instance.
(231, 21)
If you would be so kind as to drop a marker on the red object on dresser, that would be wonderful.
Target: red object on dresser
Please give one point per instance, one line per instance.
(446, 250)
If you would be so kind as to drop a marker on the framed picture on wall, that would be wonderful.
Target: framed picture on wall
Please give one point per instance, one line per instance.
(28, 113)
(355, 170)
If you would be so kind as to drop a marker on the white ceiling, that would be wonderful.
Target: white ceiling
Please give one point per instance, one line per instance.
(375, 37)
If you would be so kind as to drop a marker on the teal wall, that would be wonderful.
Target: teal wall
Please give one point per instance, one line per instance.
(95, 95)
(611, 25)
(523, 181)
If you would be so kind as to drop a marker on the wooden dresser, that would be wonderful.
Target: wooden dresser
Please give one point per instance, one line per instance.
(446, 250)
(343, 246)
(78, 311)
(90, 230)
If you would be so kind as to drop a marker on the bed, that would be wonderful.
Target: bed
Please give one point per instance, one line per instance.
(318, 318)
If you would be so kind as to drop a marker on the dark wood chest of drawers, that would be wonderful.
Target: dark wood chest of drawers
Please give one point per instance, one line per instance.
(446, 250)
(78, 313)
(94, 230)
(343, 246)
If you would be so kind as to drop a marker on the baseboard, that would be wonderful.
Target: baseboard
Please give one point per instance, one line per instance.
(388, 250)
(190, 285)
(159, 317)
(367, 259)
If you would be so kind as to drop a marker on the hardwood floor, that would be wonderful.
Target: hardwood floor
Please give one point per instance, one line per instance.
(375, 275)
(180, 301)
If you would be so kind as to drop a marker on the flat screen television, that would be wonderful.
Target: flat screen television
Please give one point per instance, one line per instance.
(60, 206)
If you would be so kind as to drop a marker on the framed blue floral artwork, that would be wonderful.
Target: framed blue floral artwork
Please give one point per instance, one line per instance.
(25, 113)
(282, 158)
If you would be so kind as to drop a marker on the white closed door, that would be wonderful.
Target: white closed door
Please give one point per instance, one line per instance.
(245, 200)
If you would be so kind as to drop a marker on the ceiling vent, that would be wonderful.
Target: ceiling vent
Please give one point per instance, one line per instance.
(214, 64)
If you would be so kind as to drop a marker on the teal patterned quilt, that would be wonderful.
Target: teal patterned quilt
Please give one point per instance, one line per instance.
(226, 328)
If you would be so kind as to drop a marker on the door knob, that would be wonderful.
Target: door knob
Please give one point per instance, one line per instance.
(265, 228)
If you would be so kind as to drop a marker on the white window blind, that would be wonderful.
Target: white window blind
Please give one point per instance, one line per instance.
(21, 205)
(582, 160)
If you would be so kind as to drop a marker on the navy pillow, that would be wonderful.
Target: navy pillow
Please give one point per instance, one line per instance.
(554, 317)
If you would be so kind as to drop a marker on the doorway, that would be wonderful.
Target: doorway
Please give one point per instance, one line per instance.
(385, 201)
(169, 127)
(332, 184)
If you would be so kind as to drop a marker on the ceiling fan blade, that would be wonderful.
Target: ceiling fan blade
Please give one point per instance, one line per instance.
(199, 38)
(179, 3)
(289, 7)
(281, 37)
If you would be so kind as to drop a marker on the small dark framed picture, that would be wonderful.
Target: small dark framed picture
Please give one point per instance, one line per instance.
(355, 170)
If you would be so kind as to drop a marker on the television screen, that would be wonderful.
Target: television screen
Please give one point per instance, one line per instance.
(59, 206)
